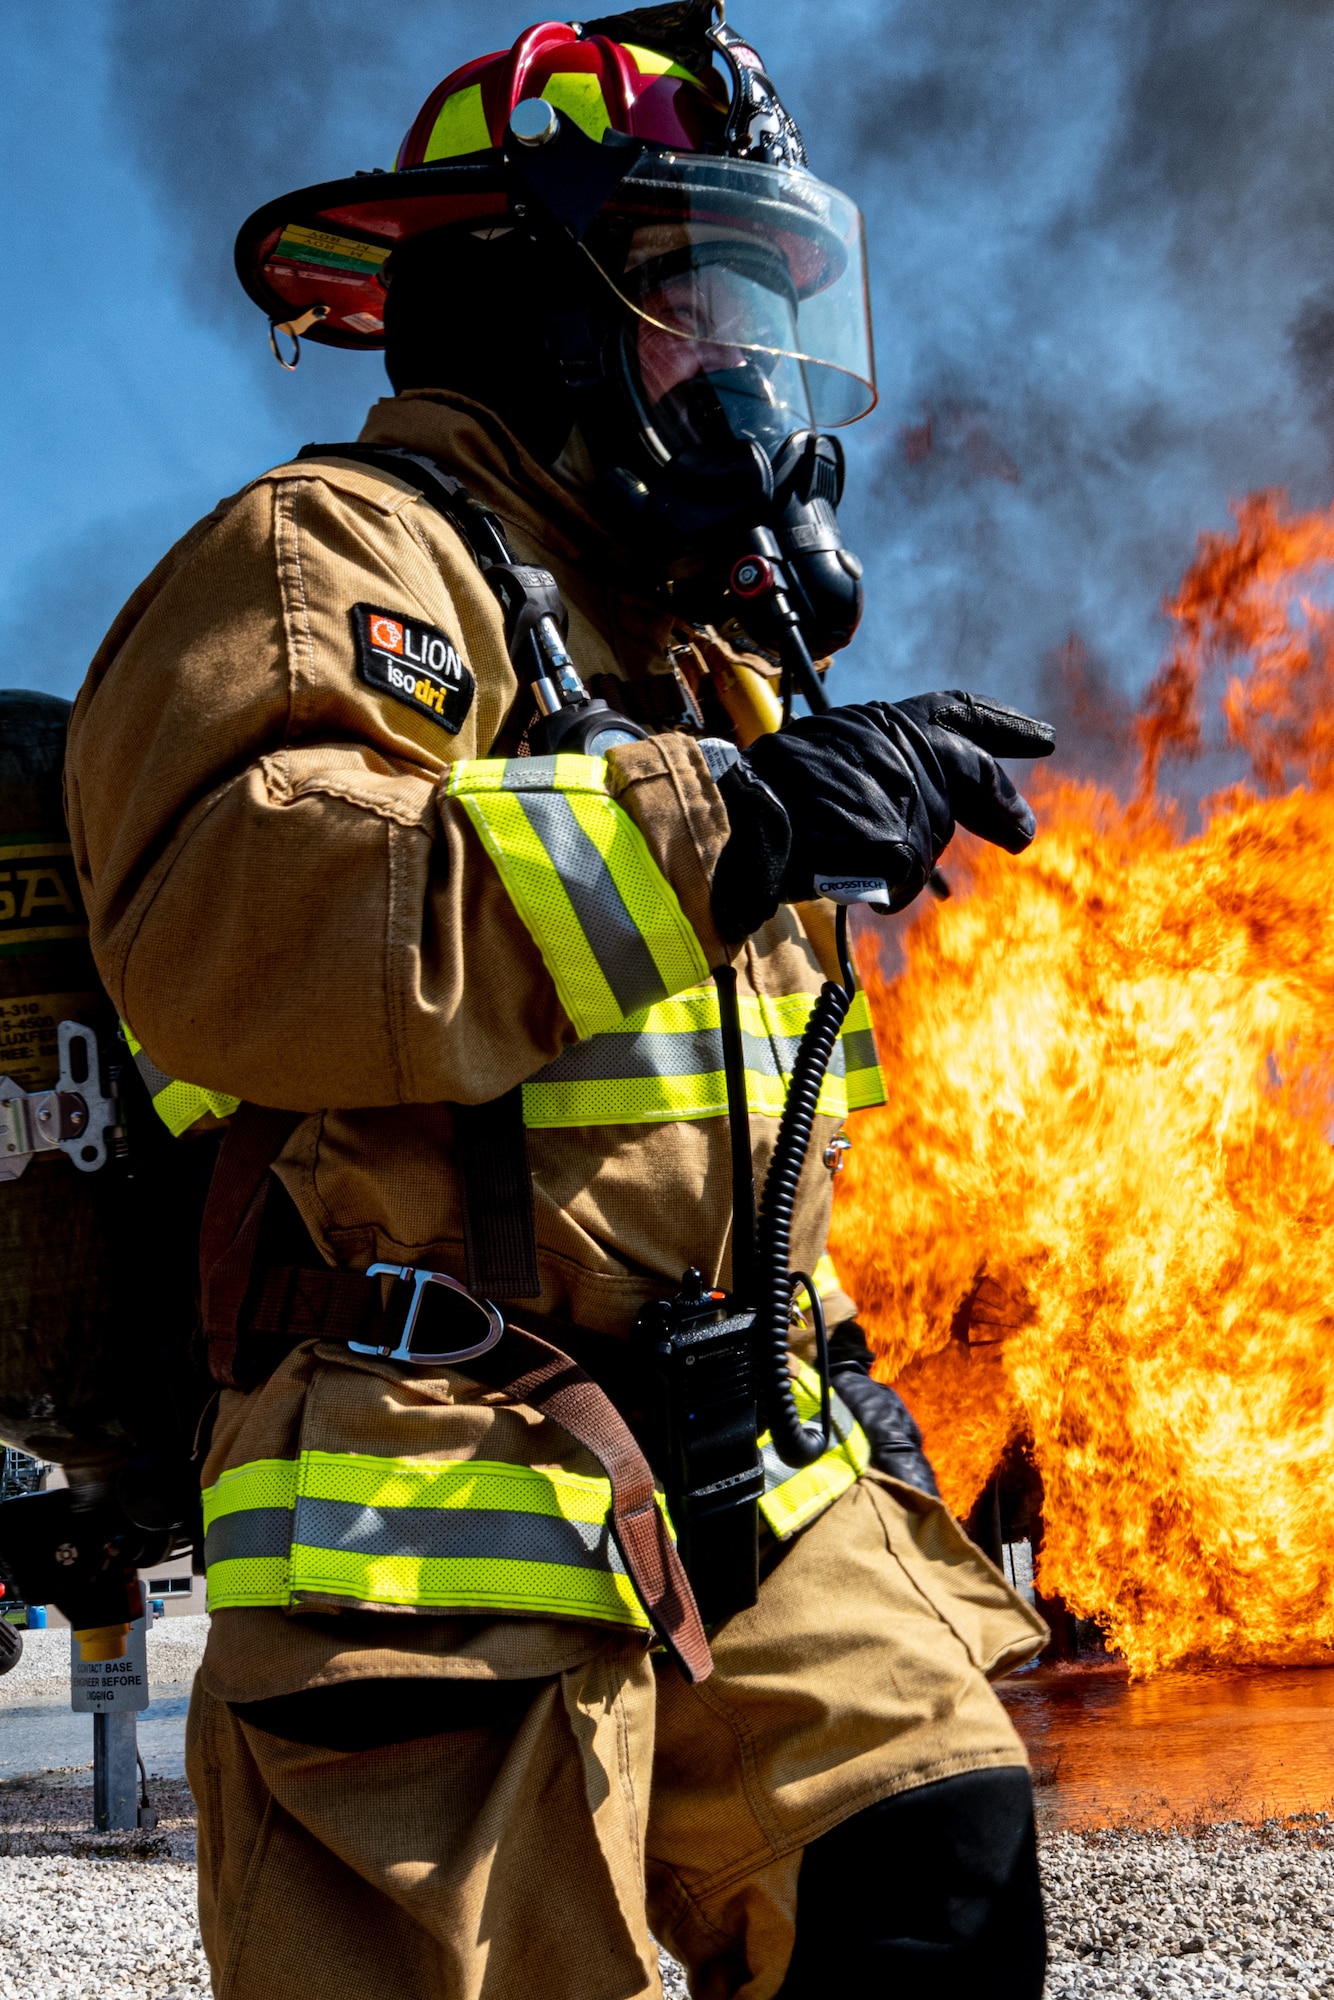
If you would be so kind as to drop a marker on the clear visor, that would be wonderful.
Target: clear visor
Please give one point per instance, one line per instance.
(745, 278)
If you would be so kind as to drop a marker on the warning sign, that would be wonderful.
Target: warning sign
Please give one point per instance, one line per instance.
(104, 1684)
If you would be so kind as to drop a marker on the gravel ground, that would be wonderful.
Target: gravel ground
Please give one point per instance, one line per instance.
(95, 1915)
(673, 1979)
(1133, 1915)
(1226, 1909)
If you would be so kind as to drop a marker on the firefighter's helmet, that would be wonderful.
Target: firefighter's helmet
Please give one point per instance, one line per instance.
(697, 207)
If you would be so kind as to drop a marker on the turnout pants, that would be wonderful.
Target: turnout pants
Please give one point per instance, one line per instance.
(531, 1837)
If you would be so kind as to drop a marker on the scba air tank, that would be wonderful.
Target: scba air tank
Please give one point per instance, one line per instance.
(96, 1241)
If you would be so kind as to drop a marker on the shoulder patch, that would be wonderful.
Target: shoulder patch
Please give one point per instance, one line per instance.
(417, 664)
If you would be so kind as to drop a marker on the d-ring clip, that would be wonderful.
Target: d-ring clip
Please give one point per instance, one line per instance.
(408, 1274)
(294, 328)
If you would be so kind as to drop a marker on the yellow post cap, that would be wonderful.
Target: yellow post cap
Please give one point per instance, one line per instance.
(102, 1642)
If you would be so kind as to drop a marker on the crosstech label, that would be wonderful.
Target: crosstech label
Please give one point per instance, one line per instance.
(417, 664)
(872, 889)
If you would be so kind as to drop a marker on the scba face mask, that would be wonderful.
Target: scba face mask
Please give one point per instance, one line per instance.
(707, 349)
(742, 341)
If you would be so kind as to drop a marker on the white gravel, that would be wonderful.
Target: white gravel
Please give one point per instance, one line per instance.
(1228, 1909)
(673, 1978)
(95, 1914)
(1133, 1915)
(98, 1928)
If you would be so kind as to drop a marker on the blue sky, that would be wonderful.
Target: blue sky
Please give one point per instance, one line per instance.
(1102, 242)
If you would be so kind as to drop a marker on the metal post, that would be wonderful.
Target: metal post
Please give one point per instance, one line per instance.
(112, 1691)
(115, 1770)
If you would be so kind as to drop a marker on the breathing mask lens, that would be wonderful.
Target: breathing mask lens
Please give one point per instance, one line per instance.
(747, 286)
(694, 354)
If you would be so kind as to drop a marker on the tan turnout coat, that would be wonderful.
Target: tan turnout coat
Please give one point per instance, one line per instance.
(286, 906)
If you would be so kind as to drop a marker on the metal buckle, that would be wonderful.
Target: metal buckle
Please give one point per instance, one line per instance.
(408, 1273)
(73, 1119)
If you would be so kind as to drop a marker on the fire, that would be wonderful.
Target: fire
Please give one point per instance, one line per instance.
(1099, 1211)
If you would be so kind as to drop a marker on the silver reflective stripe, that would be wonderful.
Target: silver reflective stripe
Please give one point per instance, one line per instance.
(529, 774)
(155, 1079)
(859, 1047)
(842, 1423)
(253, 1531)
(615, 1057)
(613, 936)
(475, 1534)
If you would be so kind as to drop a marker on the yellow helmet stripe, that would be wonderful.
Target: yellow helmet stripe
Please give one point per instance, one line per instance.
(460, 126)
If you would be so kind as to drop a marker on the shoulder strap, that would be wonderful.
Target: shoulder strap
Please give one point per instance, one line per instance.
(479, 528)
(499, 1234)
(499, 1228)
(230, 1232)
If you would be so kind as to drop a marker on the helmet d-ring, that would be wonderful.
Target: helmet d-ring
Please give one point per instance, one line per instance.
(294, 328)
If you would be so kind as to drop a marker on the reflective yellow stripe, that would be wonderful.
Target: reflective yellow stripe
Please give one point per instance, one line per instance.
(865, 1080)
(825, 1276)
(565, 773)
(358, 1479)
(648, 896)
(470, 1535)
(251, 1583)
(531, 1589)
(460, 126)
(257, 1500)
(579, 96)
(263, 1482)
(473, 1535)
(179, 1105)
(793, 1499)
(539, 896)
(650, 63)
(476, 1535)
(578, 871)
(664, 1062)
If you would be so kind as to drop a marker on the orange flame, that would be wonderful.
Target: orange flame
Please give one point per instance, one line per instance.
(1099, 1211)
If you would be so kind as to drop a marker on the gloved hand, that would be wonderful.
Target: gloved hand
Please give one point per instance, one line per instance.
(891, 1429)
(874, 790)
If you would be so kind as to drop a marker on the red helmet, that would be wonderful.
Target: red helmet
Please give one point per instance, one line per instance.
(603, 85)
(673, 155)
(326, 247)
(686, 294)
(317, 256)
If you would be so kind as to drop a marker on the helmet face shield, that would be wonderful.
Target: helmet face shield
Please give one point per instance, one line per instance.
(746, 286)
(712, 341)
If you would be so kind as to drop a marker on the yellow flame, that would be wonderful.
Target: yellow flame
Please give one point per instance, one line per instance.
(1115, 1058)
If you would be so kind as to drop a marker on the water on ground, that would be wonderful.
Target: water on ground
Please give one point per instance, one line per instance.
(1183, 1747)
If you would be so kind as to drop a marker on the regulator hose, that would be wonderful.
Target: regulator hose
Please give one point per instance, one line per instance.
(796, 1443)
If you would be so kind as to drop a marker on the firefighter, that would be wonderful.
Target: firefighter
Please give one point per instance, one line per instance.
(458, 1729)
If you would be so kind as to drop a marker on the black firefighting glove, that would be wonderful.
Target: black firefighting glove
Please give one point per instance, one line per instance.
(891, 1429)
(871, 791)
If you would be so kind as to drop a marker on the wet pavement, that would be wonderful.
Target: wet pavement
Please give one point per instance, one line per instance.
(45, 1735)
(1186, 1747)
